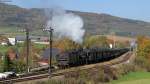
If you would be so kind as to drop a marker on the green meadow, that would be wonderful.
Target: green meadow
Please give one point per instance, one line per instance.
(134, 78)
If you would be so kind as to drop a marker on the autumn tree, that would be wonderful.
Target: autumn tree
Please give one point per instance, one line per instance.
(66, 44)
(96, 41)
(34, 54)
(144, 47)
(143, 52)
(8, 63)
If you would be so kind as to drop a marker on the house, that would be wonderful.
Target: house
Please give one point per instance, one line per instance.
(4, 40)
(44, 39)
(45, 56)
(32, 38)
(12, 41)
(8, 41)
(4, 43)
(20, 39)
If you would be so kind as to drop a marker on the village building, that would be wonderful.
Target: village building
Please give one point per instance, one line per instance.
(20, 39)
(12, 41)
(45, 56)
(4, 40)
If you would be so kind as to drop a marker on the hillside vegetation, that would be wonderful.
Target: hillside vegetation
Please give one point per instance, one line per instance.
(11, 15)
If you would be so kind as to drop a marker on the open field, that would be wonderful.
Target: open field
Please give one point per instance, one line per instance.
(120, 38)
(3, 49)
(8, 29)
(13, 31)
(141, 81)
(134, 78)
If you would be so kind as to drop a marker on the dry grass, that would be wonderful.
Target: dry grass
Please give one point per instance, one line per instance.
(120, 38)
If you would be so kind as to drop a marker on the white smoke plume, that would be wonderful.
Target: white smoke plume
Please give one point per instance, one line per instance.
(67, 25)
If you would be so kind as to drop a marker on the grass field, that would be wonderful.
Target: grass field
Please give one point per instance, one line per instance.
(134, 78)
(3, 49)
(13, 31)
(40, 46)
(8, 29)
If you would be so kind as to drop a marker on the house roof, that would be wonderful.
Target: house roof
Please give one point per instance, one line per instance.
(22, 38)
(46, 53)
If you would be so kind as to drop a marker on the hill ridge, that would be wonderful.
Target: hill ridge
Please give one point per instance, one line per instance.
(95, 23)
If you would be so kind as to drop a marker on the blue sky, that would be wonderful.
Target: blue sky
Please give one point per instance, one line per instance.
(134, 9)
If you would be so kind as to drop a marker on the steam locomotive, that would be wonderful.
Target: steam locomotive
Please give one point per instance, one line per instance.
(79, 57)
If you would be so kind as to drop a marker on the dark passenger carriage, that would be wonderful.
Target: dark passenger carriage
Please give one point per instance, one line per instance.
(88, 56)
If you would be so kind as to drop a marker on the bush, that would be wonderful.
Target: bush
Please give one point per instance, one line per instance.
(66, 81)
(143, 53)
(142, 63)
(94, 75)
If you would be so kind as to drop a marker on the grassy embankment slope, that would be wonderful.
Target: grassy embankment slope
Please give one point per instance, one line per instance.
(134, 78)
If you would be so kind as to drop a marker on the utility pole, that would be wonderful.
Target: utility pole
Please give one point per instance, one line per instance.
(50, 45)
(27, 45)
(50, 30)
(27, 49)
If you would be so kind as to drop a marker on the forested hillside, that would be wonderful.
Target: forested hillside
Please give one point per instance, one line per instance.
(11, 15)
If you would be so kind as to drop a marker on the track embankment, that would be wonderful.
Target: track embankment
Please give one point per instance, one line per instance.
(125, 58)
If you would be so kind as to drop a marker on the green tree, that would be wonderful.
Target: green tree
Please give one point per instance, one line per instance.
(18, 66)
(6, 63)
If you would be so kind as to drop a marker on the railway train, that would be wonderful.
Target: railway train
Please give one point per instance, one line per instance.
(82, 56)
(78, 57)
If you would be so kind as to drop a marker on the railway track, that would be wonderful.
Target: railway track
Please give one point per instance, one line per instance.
(44, 74)
(124, 59)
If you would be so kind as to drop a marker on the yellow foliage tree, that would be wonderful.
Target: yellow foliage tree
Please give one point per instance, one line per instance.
(96, 41)
(143, 52)
(66, 44)
(144, 46)
(34, 54)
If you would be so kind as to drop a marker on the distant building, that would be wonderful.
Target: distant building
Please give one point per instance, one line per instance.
(32, 38)
(45, 39)
(45, 55)
(9, 41)
(20, 39)
(4, 41)
(12, 41)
